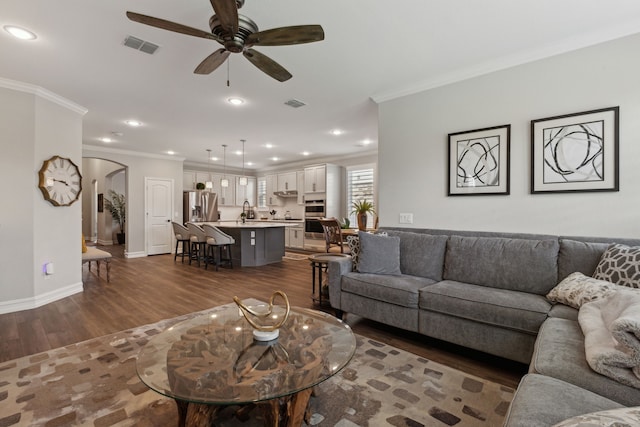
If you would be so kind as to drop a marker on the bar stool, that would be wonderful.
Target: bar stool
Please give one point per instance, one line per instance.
(220, 240)
(183, 237)
(198, 243)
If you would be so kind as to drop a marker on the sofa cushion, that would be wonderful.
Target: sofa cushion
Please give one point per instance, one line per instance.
(564, 312)
(379, 254)
(542, 401)
(621, 417)
(579, 256)
(516, 264)
(399, 290)
(515, 310)
(559, 353)
(620, 264)
(577, 289)
(421, 254)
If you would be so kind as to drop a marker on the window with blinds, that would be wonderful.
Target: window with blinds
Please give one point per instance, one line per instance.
(360, 186)
(262, 193)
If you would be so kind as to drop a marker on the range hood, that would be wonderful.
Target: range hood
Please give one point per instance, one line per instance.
(292, 193)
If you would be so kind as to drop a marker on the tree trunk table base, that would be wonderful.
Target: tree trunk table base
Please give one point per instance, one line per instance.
(288, 411)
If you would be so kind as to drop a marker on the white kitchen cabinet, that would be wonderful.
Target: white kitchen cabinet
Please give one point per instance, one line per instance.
(287, 181)
(315, 179)
(188, 180)
(246, 192)
(296, 237)
(202, 177)
(226, 195)
(300, 186)
(272, 187)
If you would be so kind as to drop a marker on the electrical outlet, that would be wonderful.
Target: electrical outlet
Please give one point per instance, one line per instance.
(406, 218)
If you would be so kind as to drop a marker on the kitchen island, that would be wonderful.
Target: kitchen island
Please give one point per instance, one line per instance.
(257, 243)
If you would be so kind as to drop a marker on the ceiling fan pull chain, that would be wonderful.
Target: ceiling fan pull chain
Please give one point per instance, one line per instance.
(228, 61)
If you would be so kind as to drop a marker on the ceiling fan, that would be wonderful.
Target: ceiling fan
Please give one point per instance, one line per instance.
(238, 33)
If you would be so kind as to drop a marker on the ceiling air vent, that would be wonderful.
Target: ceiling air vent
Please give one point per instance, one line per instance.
(294, 103)
(141, 45)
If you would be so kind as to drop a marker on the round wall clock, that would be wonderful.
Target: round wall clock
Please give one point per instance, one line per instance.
(60, 181)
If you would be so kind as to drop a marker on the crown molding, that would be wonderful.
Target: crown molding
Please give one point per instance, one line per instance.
(42, 93)
(88, 147)
(519, 58)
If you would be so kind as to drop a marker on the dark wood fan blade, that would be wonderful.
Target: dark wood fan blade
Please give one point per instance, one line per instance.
(171, 26)
(267, 65)
(287, 35)
(227, 12)
(212, 62)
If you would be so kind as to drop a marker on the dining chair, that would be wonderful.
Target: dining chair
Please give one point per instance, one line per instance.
(217, 239)
(333, 236)
(183, 238)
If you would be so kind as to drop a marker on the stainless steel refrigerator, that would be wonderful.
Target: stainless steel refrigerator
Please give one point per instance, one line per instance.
(199, 206)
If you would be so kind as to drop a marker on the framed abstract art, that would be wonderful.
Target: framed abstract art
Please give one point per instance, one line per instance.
(575, 152)
(479, 161)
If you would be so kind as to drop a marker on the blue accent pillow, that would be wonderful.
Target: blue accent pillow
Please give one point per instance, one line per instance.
(379, 254)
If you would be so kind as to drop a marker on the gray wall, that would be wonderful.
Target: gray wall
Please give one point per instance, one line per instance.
(413, 145)
(34, 126)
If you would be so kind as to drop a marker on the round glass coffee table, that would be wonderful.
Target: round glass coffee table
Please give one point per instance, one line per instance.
(212, 361)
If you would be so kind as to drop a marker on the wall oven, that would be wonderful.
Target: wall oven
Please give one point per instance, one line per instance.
(314, 209)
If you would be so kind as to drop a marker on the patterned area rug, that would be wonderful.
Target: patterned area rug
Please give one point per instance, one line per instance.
(95, 383)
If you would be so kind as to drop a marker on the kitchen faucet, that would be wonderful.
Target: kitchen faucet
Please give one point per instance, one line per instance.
(246, 208)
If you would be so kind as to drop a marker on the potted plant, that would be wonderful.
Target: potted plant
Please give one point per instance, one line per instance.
(361, 208)
(243, 216)
(200, 186)
(116, 205)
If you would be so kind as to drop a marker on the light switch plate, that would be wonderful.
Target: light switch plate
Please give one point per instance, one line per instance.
(406, 218)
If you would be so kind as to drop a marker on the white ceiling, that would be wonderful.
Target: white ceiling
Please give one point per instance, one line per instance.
(373, 50)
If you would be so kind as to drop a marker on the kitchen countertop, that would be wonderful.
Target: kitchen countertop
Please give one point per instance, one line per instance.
(248, 224)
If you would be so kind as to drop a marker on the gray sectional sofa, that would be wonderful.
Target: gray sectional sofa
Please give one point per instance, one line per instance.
(487, 291)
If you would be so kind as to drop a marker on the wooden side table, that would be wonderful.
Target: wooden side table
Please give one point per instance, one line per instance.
(319, 264)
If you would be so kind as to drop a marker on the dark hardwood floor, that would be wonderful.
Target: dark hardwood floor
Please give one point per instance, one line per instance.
(146, 290)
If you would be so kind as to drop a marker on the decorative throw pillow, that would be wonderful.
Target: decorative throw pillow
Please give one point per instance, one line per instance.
(620, 264)
(379, 254)
(577, 289)
(84, 245)
(622, 417)
(354, 248)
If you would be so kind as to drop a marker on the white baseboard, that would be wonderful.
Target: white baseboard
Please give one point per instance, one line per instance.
(135, 254)
(39, 300)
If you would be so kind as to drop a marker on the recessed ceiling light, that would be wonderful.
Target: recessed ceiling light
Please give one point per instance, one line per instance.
(249, 163)
(107, 140)
(20, 33)
(214, 159)
(305, 153)
(275, 159)
(336, 132)
(133, 123)
(171, 153)
(366, 142)
(236, 101)
(268, 145)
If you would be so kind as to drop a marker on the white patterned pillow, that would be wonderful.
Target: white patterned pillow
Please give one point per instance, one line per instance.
(577, 289)
(622, 417)
(354, 248)
(620, 264)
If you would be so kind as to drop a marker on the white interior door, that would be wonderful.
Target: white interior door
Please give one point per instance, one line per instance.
(159, 206)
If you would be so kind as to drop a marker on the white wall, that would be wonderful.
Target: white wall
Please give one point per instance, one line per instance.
(413, 145)
(141, 166)
(34, 126)
(98, 170)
